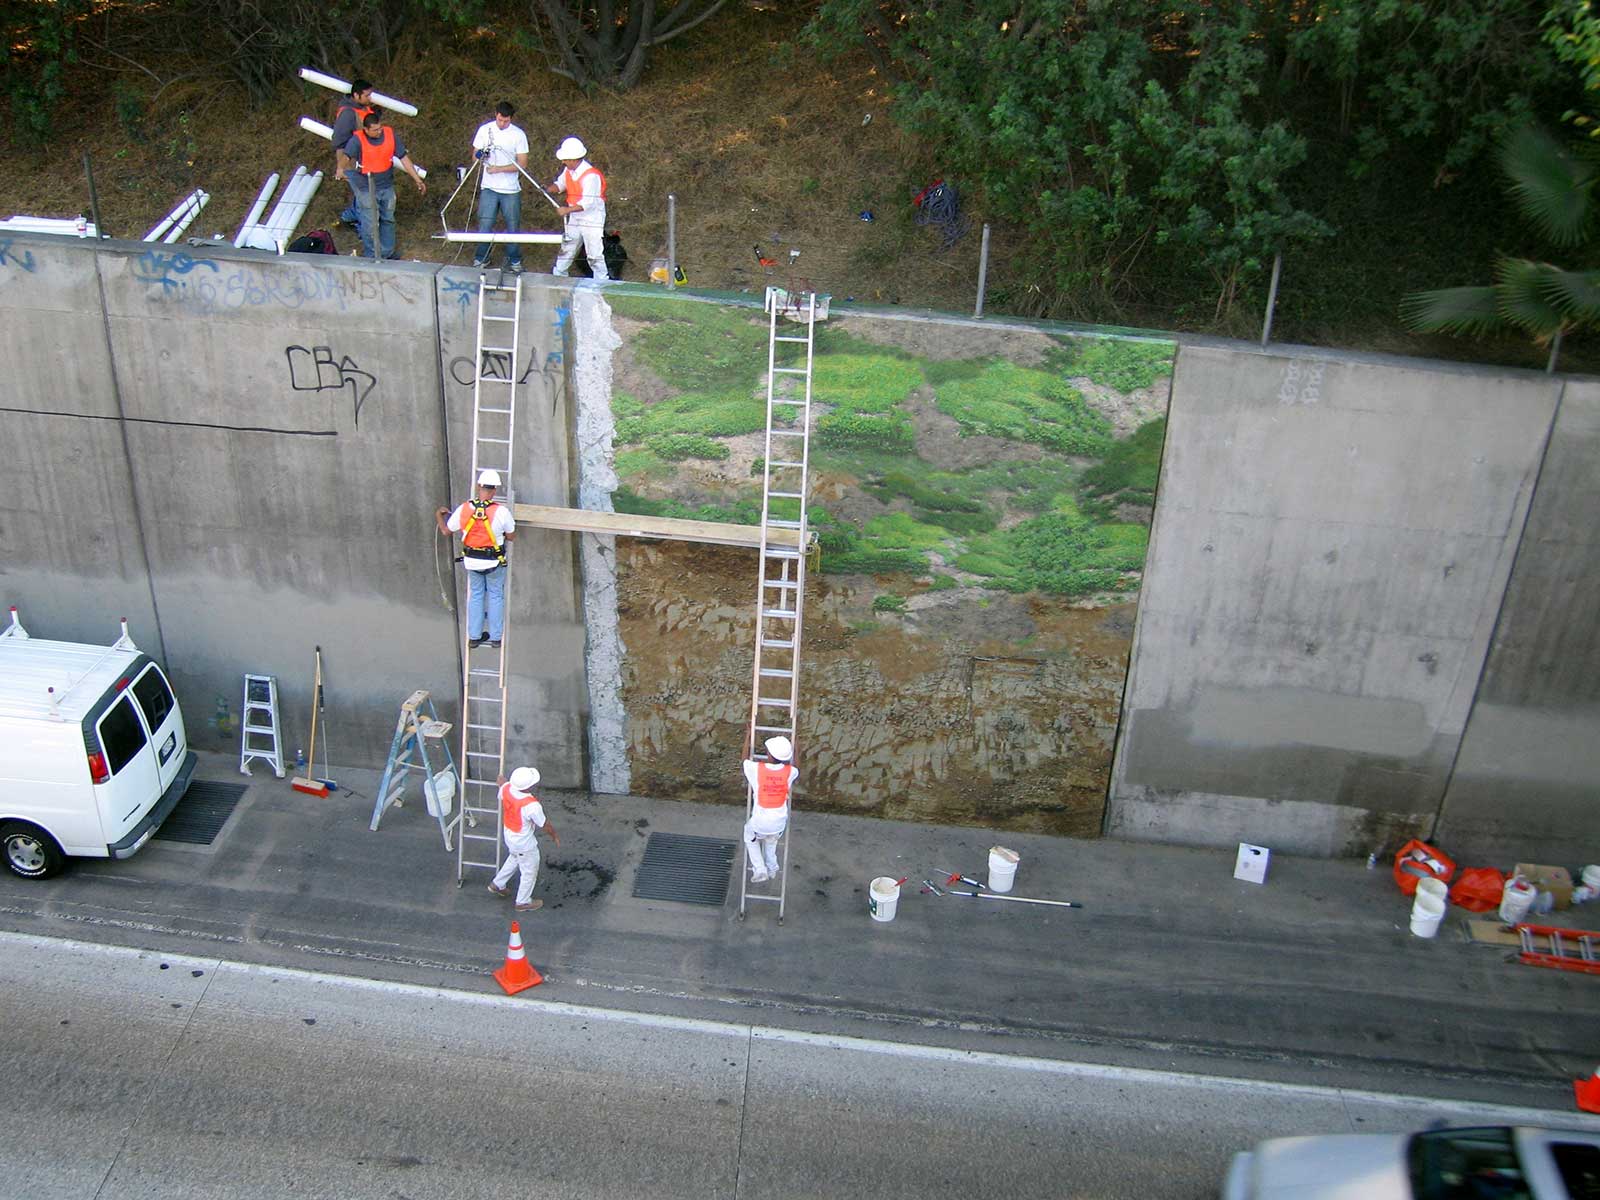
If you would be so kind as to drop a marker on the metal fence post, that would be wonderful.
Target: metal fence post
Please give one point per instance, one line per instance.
(672, 240)
(983, 271)
(1272, 297)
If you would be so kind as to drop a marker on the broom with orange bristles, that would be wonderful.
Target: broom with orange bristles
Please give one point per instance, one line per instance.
(313, 787)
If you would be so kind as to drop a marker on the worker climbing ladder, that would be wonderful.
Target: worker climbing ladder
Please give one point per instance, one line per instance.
(483, 670)
(780, 593)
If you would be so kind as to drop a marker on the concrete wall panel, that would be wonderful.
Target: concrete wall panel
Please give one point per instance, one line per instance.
(1331, 540)
(1527, 782)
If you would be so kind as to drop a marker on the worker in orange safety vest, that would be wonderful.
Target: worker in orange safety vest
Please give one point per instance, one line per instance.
(584, 189)
(770, 784)
(486, 528)
(521, 816)
(376, 148)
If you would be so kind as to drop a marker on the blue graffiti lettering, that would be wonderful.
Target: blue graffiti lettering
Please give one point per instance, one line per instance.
(462, 289)
(9, 256)
(155, 266)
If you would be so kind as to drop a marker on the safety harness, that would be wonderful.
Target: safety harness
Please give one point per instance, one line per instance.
(480, 516)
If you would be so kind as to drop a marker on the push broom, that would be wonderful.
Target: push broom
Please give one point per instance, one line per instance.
(313, 787)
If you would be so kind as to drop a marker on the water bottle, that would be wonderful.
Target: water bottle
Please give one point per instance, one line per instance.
(1372, 861)
(299, 757)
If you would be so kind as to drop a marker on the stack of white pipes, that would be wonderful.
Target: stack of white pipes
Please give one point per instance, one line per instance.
(72, 226)
(176, 221)
(277, 231)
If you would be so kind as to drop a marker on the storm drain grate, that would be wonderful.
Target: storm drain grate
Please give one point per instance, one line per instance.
(692, 870)
(202, 812)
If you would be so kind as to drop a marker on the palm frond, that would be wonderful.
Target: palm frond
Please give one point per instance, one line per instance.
(1576, 294)
(1452, 310)
(1552, 182)
(1522, 296)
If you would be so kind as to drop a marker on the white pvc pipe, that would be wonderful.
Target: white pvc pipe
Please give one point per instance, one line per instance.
(178, 219)
(257, 210)
(317, 127)
(186, 220)
(334, 83)
(72, 226)
(498, 238)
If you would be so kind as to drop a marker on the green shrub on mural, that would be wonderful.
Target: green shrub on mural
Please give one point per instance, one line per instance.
(1065, 516)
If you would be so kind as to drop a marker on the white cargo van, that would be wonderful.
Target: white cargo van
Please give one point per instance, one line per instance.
(93, 753)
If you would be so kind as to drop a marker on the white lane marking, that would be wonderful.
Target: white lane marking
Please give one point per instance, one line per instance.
(1498, 1113)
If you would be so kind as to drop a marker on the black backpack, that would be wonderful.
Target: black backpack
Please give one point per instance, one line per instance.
(615, 257)
(317, 241)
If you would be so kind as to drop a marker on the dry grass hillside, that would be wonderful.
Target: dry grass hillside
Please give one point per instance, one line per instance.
(759, 145)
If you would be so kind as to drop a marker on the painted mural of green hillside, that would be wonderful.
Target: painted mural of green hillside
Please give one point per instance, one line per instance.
(1057, 502)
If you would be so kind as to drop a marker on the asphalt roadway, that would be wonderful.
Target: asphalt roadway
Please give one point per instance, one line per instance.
(1172, 964)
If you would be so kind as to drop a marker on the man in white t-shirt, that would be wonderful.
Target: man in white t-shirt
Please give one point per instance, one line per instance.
(486, 528)
(502, 148)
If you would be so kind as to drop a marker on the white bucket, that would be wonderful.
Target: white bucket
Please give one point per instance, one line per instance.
(1590, 877)
(1002, 868)
(1435, 888)
(439, 792)
(1516, 900)
(883, 897)
(1426, 913)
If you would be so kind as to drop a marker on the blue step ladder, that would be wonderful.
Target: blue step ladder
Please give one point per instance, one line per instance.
(418, 725)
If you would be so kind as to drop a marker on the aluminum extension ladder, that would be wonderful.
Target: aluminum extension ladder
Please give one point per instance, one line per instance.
(258, 725)
(780, 592)
(483, 672)
(418, 725)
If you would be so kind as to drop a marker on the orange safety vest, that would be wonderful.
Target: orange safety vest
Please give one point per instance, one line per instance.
(362, 111)
(477, 531)
(511, 808)
(377, 157)
(575, 183)
(772, 785)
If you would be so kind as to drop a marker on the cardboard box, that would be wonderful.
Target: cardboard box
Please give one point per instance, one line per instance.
(1251, 865)
(1555, 880)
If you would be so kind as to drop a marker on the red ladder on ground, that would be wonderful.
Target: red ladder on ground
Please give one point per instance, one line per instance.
(1565, 949)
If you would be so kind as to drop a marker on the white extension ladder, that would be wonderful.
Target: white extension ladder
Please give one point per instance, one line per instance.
(483, 674)
(780, 593)
(258, 724)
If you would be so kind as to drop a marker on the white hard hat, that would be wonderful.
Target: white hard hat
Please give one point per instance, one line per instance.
(571, 148)
(524, 780)
(780, 748)
(489, 479)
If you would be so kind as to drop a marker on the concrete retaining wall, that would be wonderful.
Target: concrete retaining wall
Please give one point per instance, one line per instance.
(242, 454)
(1331, 543)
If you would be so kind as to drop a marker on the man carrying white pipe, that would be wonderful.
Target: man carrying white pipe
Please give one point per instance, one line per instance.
(353, 109)
(376, 147)
(502, 148)
(585, 210)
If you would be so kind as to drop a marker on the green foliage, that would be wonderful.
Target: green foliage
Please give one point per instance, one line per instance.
(888, 602)
(697, 347)
(1033, 484)
(1127, 474)
(899, 531)
(675, 447)
(1123, 366)
(640, 466)
(863, 383)
(943, 583)
(742, 512)
(840, 430)
(936, 500)
(1024, 405)
(726, 415)
(1060, 552)
(871, 562)
(38, 45)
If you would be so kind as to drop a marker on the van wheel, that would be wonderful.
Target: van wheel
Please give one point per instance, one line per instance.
(29, 851)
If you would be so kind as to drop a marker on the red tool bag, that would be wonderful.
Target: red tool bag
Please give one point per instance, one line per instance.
(1418, 860)
(1479, 889)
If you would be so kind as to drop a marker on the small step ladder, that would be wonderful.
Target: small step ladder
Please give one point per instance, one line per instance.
(1563, 949)
(418, 725)
(258, 724)
(780, 591)
(483, 672)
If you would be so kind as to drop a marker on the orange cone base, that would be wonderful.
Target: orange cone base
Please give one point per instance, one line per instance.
(518, 977)
(1587, 1092)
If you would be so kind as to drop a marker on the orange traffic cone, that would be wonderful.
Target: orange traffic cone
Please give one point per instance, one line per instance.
(1588, 1092)
(518, 973)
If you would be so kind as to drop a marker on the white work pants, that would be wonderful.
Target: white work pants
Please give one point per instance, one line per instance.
(594, 248)
(523, 856)
(761, 844)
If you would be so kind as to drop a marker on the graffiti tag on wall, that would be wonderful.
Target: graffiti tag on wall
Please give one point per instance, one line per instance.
(231, 288)
(318, 369)
(9, 257)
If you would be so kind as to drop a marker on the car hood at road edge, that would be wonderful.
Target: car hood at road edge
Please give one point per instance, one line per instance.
(1340, 1167)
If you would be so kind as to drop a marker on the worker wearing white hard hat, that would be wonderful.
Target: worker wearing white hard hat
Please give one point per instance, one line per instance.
(584, 189)
(771, 781)
(487, 529)
(521, 817)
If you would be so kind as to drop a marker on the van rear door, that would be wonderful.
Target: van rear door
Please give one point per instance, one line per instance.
(132, 776)
(163, 720)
